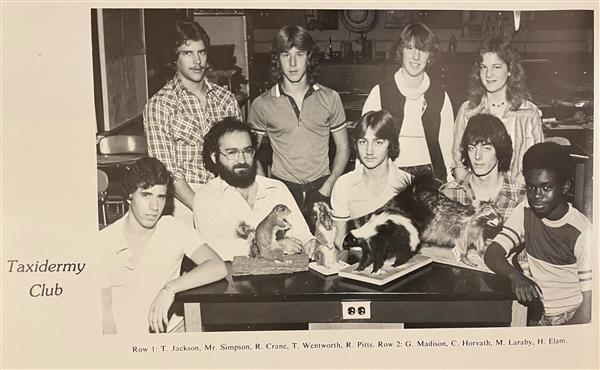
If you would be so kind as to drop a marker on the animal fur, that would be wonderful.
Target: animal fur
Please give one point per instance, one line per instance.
(268, 240)
(324, 252)
(438, 220)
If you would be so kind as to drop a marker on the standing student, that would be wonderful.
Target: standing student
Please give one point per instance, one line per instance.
(178, 116)
(376, 179)
(142, 254)
(419, 105)
(497, 87)
(299, 115)
(557, 240)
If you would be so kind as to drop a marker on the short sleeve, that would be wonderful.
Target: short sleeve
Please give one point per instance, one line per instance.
(339, 202)
(256, 119)
(513, 231)
(338, 115)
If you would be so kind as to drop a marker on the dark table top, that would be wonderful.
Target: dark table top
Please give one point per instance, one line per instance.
(434, 282)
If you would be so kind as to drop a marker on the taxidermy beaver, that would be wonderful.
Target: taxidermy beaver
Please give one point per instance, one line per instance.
(268, 240)
(422, 211)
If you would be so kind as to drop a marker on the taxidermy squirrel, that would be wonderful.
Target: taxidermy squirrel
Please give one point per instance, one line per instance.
(268, 240)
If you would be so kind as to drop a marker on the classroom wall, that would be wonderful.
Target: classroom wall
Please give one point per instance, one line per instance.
(528, 40)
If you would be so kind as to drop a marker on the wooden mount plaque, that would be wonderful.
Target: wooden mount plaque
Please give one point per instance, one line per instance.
(244, 265)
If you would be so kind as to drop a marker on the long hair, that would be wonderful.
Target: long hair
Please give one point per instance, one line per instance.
(488, 129)
(384, 126)
(211, 139)
(516, 89)
(423, 37)
(294, 36)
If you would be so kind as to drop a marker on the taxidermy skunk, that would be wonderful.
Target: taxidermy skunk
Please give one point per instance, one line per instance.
(418, 216)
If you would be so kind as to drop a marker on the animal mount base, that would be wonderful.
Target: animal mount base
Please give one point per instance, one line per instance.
(244, 265)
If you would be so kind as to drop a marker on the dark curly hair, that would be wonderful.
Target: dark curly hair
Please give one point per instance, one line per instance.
(549, 156)
(211, 139)
(516, 89)
(189, 30)
(294, 36)
(423, 37)
(145, 173)
(488, 129)
(384, 125)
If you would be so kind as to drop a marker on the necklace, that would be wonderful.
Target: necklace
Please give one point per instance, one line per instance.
(497, 105)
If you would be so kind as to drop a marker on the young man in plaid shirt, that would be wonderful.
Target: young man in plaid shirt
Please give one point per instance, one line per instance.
(178, 116)
(486, 150)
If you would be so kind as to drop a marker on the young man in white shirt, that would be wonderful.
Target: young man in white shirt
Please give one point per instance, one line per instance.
(142, 254)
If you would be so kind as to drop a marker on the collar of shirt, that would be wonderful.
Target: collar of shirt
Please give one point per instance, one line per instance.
(509, 190)
(261, 192)
(121, 250)
(180, 87)
(358, 173)
(411, 93)
(484, 107)
(279, 92)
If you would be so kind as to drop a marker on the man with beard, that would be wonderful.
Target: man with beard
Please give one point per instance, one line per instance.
(237, 195)
(178, 116)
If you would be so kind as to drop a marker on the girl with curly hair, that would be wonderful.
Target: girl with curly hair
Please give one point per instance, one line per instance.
(497, 87)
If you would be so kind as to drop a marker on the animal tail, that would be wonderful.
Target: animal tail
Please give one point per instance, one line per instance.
(244, 230)
(412, 199)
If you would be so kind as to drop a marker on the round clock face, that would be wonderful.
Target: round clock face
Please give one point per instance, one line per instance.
(359, 20)
(357, 16)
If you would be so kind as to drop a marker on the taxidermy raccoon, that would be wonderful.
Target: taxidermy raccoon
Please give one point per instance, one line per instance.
(421, 211)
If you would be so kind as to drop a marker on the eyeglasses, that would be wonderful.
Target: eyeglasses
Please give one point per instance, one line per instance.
(233, 154)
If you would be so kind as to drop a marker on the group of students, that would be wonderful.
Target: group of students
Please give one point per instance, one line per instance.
(203, 154)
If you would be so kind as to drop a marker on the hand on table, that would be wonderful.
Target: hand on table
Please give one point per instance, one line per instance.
(158, 316)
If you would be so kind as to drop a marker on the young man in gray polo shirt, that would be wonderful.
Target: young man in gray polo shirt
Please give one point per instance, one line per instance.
(298, 115)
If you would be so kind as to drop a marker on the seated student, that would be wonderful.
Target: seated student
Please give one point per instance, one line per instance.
(237, 194)
(557, 241)
(486, 150)
(142, 255)
(376, 179)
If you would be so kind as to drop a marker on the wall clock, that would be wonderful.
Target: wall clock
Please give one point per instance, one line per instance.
(359, 20)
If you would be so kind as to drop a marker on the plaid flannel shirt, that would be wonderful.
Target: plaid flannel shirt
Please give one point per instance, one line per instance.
(176, 123)
(511, 194)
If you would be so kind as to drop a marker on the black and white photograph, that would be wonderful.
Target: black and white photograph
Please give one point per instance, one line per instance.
(285, 187)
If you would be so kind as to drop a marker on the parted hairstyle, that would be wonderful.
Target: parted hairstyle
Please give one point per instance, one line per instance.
(294, 36)
(516, 89)
(549, 156)
(145, 173)
(189, 30)
(423, 37)
(211, 139)
(384, 127)
(487, 129)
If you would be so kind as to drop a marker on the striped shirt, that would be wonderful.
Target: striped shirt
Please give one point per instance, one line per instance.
(511, 193)
(559, 254)
(176, 123)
